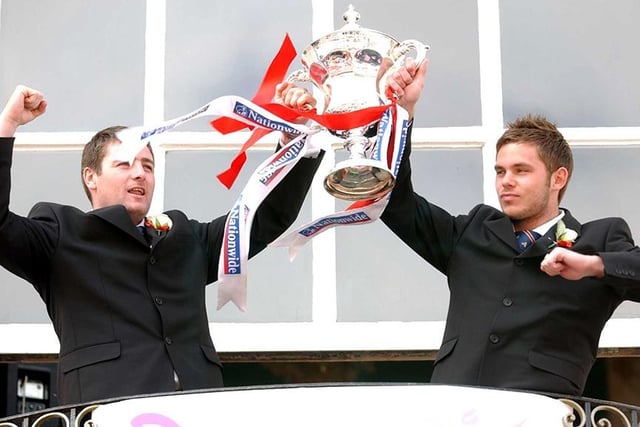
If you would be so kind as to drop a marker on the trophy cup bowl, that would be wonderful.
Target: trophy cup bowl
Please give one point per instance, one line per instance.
(344, 65)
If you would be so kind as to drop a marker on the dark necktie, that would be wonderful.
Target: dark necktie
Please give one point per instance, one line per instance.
(143, 230)
(525, 239)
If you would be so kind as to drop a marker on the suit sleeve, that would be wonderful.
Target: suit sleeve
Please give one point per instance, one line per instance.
(282, 206)
(621, 259)
(274, 216)
(426, 228)
(6, 157)
(26, 244)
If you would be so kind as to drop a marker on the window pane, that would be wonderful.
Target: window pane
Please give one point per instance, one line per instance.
(86, 57)
(452, 89)
(224, 48)
(574, 61)
(381, 278)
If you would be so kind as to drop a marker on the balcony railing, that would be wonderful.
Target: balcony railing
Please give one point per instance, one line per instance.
(336, 404)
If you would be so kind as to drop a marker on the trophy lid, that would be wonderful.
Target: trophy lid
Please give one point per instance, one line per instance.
(347, 41)
(351, 17)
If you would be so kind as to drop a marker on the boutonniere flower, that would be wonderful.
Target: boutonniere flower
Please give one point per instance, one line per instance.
(564, 236)
(160, 222)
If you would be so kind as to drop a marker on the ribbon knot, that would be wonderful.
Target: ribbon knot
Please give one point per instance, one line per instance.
(526, 238)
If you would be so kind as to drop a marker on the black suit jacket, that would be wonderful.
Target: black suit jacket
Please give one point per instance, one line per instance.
(127, 315)
(509, 324)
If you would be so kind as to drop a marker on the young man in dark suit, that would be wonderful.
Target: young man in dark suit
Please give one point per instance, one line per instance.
(525, 317)
(130, 315)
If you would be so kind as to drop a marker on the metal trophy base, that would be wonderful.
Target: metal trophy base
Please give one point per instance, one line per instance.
(359, 179)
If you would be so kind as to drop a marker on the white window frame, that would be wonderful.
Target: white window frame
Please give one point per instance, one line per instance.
(323, 333)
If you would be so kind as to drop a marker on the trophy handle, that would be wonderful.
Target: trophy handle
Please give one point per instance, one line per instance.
(399, 52)
(406, 46)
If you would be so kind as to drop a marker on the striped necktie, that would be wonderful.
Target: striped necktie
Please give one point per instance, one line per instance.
(525, 239)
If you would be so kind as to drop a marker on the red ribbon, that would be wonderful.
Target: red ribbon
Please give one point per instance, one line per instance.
(275, 74)
(360, 204)
(392, 137)
(228, 177)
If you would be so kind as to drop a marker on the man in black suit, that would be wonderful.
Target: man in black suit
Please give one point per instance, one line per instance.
(526, 319)
(130, 314)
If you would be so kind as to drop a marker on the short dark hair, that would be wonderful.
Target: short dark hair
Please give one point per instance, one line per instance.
(552, 148)
(95, 150)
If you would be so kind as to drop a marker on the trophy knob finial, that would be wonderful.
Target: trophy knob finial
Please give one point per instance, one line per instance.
(351, 16)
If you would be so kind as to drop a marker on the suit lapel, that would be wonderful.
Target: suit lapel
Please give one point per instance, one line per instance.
(118, 216)
(571, 223)
(502, 227)
(545, 243)
(156, 235)
(541, 246)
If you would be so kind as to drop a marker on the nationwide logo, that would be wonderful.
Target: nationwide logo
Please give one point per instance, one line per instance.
(232, 242)
(270, 171)
(354, 218)
(253, 116)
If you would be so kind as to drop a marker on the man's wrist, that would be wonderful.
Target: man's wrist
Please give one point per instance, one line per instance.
(597, 267)
(7, 127)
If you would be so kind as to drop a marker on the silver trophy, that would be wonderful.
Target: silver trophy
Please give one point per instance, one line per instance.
(344, 65)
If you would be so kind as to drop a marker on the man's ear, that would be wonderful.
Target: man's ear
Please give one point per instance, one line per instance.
(559, 178)
(89, 178)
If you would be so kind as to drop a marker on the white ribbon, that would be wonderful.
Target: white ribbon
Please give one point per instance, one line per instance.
(136, 138)
(232, 275)
(361, 215)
